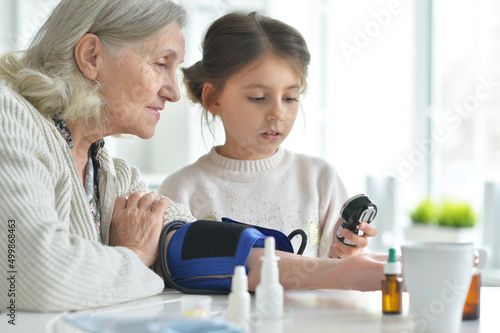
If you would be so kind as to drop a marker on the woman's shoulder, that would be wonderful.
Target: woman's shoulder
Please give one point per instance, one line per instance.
(12, 102)
(20, 116)
(7, 87)
(9, 96)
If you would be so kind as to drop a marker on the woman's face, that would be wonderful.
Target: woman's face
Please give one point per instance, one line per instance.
(258, 107)
(137, 82)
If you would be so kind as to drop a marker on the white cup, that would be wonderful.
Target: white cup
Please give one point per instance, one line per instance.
(437, 276)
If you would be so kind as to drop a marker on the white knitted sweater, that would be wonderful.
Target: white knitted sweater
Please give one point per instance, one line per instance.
(57, 259)
(285, 191)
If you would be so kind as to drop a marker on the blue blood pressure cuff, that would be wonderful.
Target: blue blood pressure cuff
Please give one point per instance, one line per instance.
(201, 256)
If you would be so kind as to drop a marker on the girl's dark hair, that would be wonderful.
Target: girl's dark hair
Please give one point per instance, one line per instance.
(235, 40)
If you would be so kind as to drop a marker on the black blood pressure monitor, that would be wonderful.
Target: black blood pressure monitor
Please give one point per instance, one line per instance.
(357, 209)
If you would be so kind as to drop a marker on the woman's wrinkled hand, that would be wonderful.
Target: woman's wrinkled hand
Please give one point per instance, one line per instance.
(137, 223)
(343, 251)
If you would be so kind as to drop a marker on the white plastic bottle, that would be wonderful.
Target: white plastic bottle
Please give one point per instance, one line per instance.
(269, 292)
(239, 297)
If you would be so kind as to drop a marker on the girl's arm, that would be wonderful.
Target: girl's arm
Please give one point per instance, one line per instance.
(363, 272)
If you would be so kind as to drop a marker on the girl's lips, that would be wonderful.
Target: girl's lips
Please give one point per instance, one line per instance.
(272, 137)
(155, 113)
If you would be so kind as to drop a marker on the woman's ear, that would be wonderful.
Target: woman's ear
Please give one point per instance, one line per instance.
(88, 55)
(210, 99)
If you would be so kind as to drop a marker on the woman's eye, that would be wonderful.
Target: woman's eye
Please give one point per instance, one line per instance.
(256, 99)
(291, 99)
(161, 65)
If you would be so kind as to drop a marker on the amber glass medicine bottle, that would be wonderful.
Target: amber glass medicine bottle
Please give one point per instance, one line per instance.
(392, 286)
(471, 308)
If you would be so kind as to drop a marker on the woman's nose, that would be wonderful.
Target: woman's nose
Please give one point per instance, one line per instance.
(170, 89)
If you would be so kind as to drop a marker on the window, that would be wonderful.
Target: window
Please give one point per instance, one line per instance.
(466, 103)
(406, 89)
(20, 19)
(358, 110)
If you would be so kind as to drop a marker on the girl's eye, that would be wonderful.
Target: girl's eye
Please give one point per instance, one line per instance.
(291, 99)
(256, 99)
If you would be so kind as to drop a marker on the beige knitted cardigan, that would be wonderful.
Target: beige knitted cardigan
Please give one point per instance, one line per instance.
(57, 260)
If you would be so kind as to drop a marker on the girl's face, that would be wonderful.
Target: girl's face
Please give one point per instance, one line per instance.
(137, 83)
(258, 107)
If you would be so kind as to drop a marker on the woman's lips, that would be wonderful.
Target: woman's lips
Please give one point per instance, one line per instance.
(155, 113)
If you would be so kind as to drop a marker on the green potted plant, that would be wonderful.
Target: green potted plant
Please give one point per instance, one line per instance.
(424, 213)
(456, 214)
(448, 221)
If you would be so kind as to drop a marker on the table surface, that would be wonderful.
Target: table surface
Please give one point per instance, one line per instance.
(305, 311)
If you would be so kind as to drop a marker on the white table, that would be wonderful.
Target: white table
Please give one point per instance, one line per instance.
(306, 311)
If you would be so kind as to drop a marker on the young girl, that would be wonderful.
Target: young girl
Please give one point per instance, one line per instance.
(252, 75)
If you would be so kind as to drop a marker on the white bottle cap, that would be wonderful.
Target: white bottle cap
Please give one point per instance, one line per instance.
(269, 291)
(239, 297)
(392, 266)
(239, 282)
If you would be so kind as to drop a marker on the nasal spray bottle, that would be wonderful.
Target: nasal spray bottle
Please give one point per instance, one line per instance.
(239, 297)
(269, 292)
(392, 286)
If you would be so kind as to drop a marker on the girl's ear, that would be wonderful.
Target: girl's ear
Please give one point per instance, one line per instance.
(210, 99)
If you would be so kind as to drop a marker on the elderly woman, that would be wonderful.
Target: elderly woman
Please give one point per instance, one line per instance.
(96, 68)
(79, 229)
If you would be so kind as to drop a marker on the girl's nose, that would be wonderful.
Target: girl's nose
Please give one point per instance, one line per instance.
(276, 112)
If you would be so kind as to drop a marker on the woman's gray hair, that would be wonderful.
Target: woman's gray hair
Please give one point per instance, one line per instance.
(47, 75)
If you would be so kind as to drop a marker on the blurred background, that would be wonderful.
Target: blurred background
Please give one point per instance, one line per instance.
(403, 98)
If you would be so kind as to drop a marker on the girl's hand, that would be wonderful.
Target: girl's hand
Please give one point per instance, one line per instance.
(343, 251)
(137, 223)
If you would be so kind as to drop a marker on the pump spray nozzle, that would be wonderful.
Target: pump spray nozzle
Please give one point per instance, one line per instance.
(269, 272)
(269, 292)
